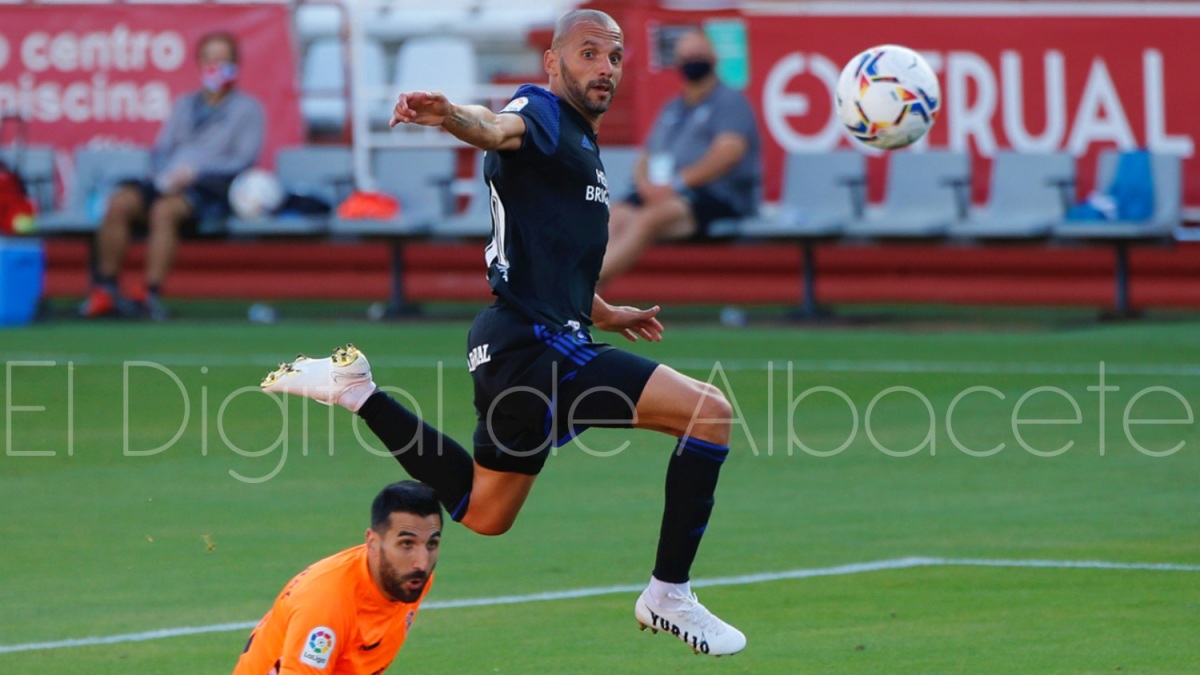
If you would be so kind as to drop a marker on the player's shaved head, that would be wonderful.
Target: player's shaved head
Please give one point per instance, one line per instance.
(584, 61)
(577, 18)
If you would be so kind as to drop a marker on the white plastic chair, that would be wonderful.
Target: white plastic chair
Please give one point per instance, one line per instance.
(97, 171)
(402, 19)
(495, 19)
(415, 176)
(822, 192)
(1167, 178)
(926, 194)
(476, 220)
(619, 162)
(323, 91)
(1027, 197)
(439, 63)
(315, 21)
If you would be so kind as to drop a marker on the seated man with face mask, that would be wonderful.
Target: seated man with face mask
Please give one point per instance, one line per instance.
(210, 137)
(700, 164)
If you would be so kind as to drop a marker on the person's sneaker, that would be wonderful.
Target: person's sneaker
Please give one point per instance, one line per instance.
(684, 617)
(144, 304)
(344, 378)
(99, 302)
(153, 308)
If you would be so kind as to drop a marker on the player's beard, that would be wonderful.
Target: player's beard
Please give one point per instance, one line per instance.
(394, 582)
(580, 92)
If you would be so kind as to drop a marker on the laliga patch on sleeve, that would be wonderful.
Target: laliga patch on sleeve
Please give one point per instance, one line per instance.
(516, 105)
(318, 648)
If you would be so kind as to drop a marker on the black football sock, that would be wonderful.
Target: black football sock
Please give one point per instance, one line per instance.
(691, 482)
(426, 454)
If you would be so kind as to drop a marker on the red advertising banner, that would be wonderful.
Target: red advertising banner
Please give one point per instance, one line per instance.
(1108, 75)
(109, 73)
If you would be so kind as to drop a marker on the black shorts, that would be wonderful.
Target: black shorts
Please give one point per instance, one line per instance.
(537, 387)
(705, 210)
(208, 197)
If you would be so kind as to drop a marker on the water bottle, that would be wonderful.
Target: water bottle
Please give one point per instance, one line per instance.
(261, 313)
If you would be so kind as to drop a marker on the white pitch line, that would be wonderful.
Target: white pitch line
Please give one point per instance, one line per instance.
(837, 570)
(1068, 564)
(130, 637)
(264, 363)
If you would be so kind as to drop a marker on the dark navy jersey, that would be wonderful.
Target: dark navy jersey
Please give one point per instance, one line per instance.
(549, 213)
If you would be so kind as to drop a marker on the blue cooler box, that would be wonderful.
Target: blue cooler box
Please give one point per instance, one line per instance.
(22, 271)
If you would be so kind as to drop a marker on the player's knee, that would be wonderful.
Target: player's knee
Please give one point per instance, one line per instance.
(716, 407)
(713, 417)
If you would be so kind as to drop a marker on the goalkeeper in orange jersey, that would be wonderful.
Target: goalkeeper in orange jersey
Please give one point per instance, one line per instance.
(350, 613)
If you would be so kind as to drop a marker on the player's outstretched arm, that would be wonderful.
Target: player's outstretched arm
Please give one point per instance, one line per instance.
(628, 321)
(473, 124)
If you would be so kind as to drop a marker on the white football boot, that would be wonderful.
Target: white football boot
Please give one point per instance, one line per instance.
(684, 617)
(343, 378)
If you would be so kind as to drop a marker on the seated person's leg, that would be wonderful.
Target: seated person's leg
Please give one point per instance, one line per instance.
(620, 218)
(126, 207)
(170, 217)
(668, 218)
(167, 217)
(705, 210)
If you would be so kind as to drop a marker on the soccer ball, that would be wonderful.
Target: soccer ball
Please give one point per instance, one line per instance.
(888, 97)
(255, 193)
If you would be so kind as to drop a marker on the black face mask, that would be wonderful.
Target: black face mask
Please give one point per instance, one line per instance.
(694, 71)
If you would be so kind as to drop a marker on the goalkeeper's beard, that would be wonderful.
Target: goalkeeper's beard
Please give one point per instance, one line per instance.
(396, 585)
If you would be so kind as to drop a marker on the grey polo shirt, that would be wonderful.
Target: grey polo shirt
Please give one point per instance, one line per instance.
(221, 140)
(684, 133)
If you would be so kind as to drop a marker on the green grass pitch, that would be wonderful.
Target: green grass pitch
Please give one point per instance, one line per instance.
(150, 486)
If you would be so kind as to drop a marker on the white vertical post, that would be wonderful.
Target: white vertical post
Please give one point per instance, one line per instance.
(361, 95)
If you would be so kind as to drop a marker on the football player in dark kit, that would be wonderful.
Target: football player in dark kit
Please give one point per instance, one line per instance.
(539, 378)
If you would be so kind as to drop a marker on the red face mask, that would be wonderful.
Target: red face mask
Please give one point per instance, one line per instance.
(218, 76)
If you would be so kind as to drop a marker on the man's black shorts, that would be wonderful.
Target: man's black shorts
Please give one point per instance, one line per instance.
(208, 197)
(537, 387)
(706, 209)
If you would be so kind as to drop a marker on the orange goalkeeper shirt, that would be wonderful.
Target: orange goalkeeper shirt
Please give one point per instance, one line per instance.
(331, 619)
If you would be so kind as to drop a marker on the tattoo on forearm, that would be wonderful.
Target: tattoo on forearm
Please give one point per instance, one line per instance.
(469, 120)
(466, 121)
(474, 124)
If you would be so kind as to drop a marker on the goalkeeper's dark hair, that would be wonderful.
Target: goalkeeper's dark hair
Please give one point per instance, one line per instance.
(406, 496)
